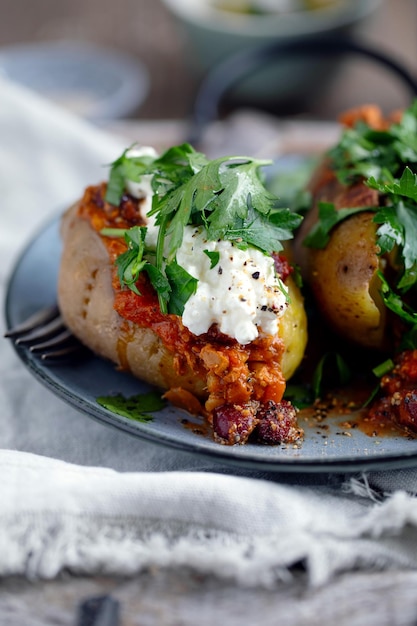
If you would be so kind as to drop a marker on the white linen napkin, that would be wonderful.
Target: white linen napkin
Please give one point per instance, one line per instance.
(76, 494)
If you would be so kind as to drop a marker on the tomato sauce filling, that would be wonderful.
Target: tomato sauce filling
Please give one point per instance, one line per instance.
(244, 380)
(398, 393)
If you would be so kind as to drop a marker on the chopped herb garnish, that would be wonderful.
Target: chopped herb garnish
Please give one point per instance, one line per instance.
(379, 371)
(333, 363)
(125, 168)
(214, 257)
(183, 285)
(409, 339)
(383, 368)
(131, 263)
(300, 395)
(137, 407)
(225, 196)
(395, 303)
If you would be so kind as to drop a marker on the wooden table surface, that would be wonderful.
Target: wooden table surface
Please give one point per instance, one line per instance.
(154, 598)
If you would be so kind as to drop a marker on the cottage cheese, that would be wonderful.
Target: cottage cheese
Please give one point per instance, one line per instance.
(241, 294)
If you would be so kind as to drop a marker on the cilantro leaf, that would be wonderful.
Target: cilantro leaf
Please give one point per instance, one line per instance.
(182, 284)
(408, 217)
(409, 339)
(137, 407)
(214, 257)
(337, 365)
(395, 303)
(125, 168)
(329, 217)
(405, 186)
(160, 283)
(390, 231)
(364, 153)
(115, 185)
(130, 263)
(299, 395)
(264, 232)
(178, 222)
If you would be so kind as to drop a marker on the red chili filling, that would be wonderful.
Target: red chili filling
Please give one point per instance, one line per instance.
(399, 392)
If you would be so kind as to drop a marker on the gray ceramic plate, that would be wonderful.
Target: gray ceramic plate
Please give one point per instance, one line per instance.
(32, 286)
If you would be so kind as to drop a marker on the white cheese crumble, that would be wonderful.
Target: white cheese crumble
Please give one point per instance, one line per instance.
(241, 294)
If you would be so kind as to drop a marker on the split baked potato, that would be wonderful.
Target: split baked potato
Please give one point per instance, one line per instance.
(123, 313)
(343, 275)
(86, 300)
(355, 243)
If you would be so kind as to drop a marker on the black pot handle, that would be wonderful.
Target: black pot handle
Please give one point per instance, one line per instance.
(227, 74)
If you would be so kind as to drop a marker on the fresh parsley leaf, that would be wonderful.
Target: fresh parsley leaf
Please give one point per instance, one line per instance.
(131, 263)
(405, 186)
(299, 395)
(398, 228)
(319, 235)
(125, 168)
(407, 215)
(183, 286)
(395, 303)
(284, 222)
(372, 396)
(405, 135)
(332, 362)
(214, 257)
(181, 217)
(264, 232)
(390, 231)
(116, 184)
(409, 339)
(363, 153)
(137, 407)
(160, 283)
(379, 371)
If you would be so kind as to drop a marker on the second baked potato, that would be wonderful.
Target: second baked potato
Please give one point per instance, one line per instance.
(355, 245)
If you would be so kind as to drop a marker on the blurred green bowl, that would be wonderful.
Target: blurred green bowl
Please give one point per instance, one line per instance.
(212, 34)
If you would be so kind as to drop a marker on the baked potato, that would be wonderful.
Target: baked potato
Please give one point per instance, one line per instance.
(343, 275)
(363, 261)
(236, 382)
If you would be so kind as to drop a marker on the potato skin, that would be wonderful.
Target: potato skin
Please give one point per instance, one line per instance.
(293, 330)
(343, 275)
(86, 299)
